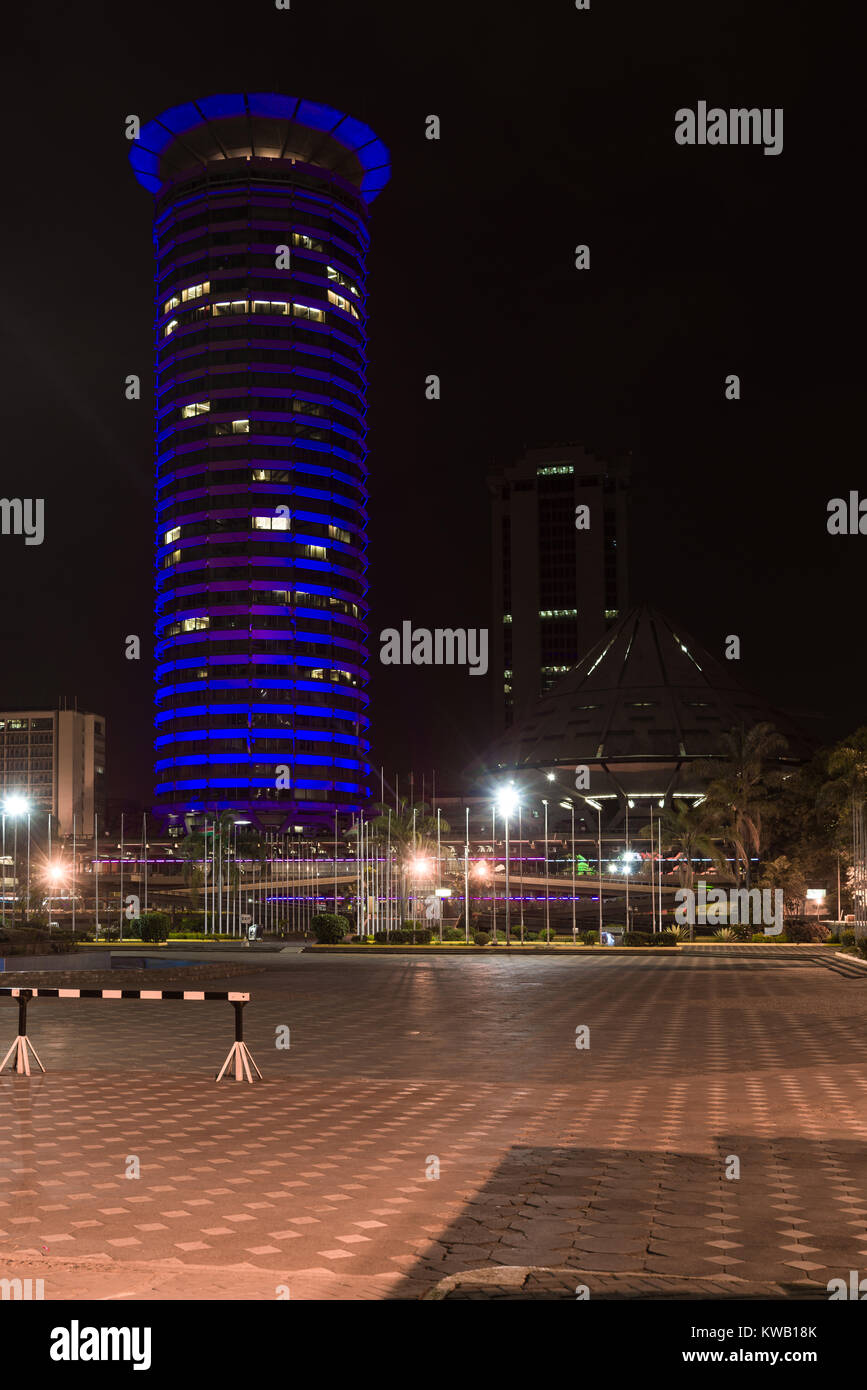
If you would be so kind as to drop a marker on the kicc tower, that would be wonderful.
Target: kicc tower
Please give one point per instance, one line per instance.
(260, 241)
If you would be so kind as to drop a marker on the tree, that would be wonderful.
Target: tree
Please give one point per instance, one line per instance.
(742, 788)
(688, 832)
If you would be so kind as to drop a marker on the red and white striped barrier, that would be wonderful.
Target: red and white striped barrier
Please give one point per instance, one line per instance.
(22, 1047)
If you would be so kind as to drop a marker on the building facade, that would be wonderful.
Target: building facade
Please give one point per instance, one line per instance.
(559, 568)
(54, 761)
(260, 241)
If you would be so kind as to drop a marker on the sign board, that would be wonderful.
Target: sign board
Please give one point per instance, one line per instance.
(246, 919)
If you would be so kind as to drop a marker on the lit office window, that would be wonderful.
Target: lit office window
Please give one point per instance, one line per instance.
(172, 535)
(170, 328)
(195, 408)
(195, 291)
(306, 311)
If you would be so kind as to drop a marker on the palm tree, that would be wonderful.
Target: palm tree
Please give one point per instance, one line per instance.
(742, 788)
(687, 832)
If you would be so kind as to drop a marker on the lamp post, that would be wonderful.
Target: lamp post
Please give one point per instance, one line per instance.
(494, 871)
(16, 806)
(507, 799)
(574, 925)
(547, 893)
(598, 809)
(521, 870)
(467, 876)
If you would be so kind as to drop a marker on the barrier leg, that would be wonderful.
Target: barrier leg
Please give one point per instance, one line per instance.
(22, 1046)
(239, 1053)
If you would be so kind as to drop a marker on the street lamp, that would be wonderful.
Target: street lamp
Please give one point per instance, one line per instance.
(598, 809)
(547, 893)
(507, 800)
(15, 806)
(570, 807)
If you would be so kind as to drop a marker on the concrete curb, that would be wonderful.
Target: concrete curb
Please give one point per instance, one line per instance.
(455, 948)
(853, 960)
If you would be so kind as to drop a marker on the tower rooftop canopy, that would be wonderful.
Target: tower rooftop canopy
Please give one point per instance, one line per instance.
(647, 695)
(257, 125)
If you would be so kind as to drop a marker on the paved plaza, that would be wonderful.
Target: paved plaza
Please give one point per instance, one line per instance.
(604, 1164)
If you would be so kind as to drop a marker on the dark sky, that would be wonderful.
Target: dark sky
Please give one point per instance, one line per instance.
(557, 128)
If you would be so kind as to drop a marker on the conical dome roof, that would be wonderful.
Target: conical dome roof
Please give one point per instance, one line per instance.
(646, 694)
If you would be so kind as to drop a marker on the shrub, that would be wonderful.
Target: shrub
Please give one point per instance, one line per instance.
(667, 938)
(742, 932)
(194, 922)
(637, 938)
(806, 929)
(482, 938)
(590, 938)
(153, 926)
(724, 934)
(452, 934)
(847, 937)
(329, 928)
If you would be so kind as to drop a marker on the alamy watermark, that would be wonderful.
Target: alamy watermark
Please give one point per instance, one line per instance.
(737, 126)
(718, 907)
(442, 646)
(23, 516)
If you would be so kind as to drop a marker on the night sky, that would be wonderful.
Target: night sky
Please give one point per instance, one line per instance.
(557, 129)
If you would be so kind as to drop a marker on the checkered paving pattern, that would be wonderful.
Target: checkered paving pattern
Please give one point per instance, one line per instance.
(609, 1160)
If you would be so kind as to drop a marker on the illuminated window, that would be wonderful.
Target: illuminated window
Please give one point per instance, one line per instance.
(339, 535)
(171, 304)
(271, 523)
(195, 624)
(612, 612)
(334, 274)
(240, 427)
(171, 559)
(305, 311)
(551, 472)
(171, 535)
(559, 613)
(195, 291)
(270, 306)
(229, 306)
(260, 475)
(170, 328)
(300, 239)
(507, 617)
(314, 552)
(195, 408)
(339, 300)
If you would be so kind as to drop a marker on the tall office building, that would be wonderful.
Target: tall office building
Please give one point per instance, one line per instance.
(260, 240)
(54, 760)
(557, 585)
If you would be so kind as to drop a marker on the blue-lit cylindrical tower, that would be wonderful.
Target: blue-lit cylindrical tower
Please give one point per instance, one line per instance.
(260, 240)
